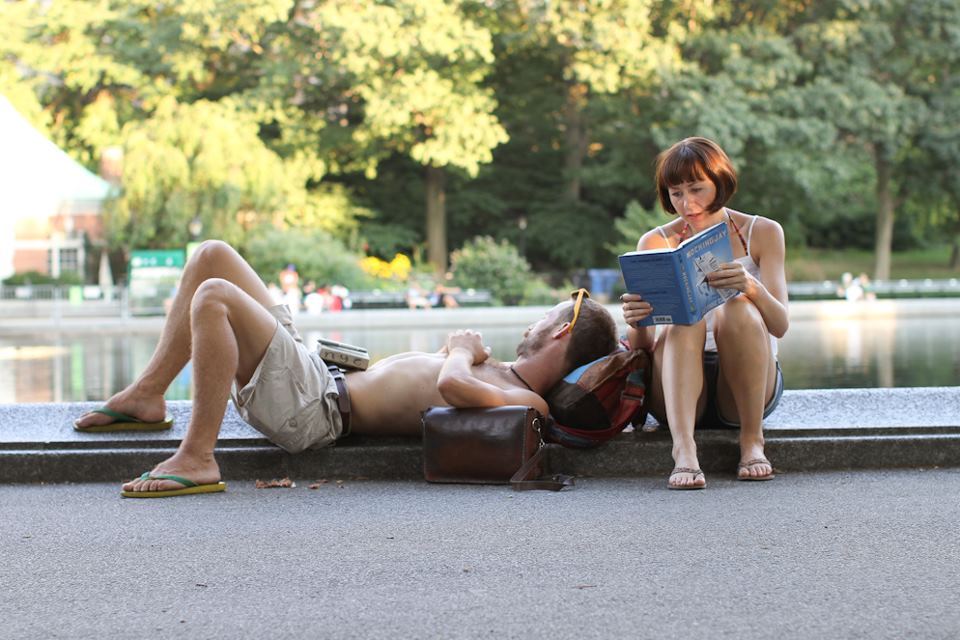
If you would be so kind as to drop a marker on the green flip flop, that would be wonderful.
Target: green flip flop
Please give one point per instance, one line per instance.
(123, 422)
(189, 487)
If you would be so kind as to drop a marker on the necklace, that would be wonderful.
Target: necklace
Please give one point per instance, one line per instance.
(520, 377)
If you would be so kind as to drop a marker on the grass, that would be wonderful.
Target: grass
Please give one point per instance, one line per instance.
(811, 265)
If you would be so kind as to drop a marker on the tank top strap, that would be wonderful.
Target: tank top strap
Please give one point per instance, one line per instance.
(750, 233)
(664, 234)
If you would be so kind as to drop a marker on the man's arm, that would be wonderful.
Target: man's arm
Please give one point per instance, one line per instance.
(459, 387)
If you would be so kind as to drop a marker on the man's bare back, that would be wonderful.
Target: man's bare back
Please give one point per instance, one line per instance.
(389, 397)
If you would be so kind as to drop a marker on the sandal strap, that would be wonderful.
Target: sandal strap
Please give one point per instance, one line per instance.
(163, 476)
(116, 415)
(693, 472)
(753, 463)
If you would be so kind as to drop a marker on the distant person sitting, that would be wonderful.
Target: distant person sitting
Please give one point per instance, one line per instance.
(416, 297)
(245, 347)
(443, 296)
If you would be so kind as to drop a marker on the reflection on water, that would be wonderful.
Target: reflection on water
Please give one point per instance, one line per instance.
(879, 352)
(816, 353)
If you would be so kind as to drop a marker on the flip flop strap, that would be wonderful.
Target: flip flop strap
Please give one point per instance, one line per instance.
(116, 415)
(186, 483)
(693, 472)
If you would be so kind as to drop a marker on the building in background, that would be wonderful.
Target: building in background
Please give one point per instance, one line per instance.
(50, 205)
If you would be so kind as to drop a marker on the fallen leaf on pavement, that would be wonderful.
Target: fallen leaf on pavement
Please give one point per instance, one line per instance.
(284, 483)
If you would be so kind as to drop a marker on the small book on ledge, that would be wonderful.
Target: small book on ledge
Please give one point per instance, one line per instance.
(345, 356)
(674, 281)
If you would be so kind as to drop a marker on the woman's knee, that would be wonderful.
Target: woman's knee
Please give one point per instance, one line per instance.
(687, 337)
(740, 317)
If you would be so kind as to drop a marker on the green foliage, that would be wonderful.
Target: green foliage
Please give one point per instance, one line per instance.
(317, 255)
(282, 113)
(538, 293)
(35, 277)
(202, 159)
(634, 223)
(484, 263)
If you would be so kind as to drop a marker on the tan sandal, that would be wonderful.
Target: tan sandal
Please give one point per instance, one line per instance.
(749, 464)
(693, 472)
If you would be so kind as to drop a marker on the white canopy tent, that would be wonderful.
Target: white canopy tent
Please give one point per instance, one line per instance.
(38, 180)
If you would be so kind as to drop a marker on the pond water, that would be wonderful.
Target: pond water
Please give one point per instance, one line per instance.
(818, 352)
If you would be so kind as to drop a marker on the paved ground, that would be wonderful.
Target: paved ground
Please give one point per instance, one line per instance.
(810, 555)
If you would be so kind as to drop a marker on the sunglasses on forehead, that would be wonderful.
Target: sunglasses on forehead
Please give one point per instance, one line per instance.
(580, 294)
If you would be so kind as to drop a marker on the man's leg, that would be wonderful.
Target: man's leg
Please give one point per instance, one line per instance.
(143, 399)
(230, 333)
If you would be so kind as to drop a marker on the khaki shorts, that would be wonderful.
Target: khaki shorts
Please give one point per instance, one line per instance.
(291, 397)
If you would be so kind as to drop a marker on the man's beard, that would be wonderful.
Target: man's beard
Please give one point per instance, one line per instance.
(533, 343)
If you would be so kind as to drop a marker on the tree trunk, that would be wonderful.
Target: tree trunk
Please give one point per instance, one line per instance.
(884, 233)
(955, 255)
(576, 137)
(436, 218)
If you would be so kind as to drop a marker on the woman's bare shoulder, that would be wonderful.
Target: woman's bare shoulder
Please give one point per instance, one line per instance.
(654, 239)
(768, 230)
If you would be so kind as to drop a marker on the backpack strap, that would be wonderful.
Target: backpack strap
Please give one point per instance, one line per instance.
(521, 480)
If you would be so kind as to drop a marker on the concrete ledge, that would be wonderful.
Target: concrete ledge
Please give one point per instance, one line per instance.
(444, 319)
(811, 430)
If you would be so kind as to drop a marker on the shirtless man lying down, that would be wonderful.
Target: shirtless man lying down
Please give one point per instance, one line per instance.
(245, 347)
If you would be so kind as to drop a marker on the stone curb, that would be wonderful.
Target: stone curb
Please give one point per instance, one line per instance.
(812, 430)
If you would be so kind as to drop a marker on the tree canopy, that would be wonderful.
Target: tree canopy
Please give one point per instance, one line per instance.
(418, 125)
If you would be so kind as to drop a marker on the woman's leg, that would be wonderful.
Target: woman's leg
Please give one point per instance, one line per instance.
(747, 378)
(230, 332)
(144, 397)
(678, 366)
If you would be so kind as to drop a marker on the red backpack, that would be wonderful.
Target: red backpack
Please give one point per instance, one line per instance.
(596, 401)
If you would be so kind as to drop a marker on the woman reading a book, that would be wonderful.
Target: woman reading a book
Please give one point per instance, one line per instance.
(723, 370)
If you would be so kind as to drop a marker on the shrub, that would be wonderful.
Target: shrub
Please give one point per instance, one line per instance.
(483, 263)
(317, 255)
(35, 277)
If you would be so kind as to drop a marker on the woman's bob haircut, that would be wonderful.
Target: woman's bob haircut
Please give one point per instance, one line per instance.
(694, 159)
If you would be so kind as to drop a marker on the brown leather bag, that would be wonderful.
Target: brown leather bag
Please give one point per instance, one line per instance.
(496, 445)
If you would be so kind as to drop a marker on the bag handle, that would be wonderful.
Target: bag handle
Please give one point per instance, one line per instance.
(521, 480)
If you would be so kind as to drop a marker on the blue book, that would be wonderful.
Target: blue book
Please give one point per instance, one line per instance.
(674, 281)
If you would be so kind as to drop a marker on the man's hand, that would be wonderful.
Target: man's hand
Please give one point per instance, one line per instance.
(469, 341)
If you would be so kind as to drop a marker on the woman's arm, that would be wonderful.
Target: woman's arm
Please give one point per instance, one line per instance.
(770, 295)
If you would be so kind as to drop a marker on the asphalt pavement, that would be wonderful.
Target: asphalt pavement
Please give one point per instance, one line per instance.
(845, 554)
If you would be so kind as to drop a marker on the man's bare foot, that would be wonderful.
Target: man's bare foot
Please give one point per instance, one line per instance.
(200, 470)
(753, 463)
(139, 405)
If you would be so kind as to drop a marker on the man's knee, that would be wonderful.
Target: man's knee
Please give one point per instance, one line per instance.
(212, 294)
(212, 252)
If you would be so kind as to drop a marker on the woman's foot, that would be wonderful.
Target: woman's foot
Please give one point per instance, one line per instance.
(686, 478)
(146, 407)
(686, 474)
(753, 463)
(755, 469)
(202, 470)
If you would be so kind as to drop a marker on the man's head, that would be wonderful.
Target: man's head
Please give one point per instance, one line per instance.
(591, 329)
